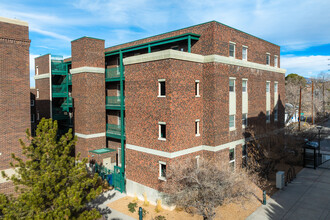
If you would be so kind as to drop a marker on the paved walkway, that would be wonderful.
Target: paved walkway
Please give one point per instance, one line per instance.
(101, 204)
(307, 197)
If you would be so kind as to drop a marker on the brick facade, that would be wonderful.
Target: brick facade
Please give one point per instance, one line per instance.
(14, 87)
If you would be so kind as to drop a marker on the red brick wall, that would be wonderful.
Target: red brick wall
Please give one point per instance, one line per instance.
(88, 92)
(179, 109)
(15, 89)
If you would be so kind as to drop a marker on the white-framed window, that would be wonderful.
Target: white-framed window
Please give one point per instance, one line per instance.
(32, 118)
(231, 84)
(267, 58)
(244, 85)
(197, 88)
(231, 122)
(197, 127)
(275, 61)
(267, 86)
(162, 131)
(244, 52)
(37, 93)
(32, 102)
(267, 116)
(275, 114)
(232, 159)
(162, 170)
(275, 87)
(161, 88)
(244, 120)
(244, 155)
(197, 161)
(232, 46)
(37, 70)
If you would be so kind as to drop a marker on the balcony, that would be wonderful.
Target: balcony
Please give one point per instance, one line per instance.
(113, 102)
(114, 131)
(58, 114)
(60, 90)
(67, 104)
(112, 74)
(69, 77)
(58, 68)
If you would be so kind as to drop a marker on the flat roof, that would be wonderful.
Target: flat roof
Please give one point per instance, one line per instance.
(13, 21)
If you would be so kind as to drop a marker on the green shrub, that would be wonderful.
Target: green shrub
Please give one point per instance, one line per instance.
(132, 206)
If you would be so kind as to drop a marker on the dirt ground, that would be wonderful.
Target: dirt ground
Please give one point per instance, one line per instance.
(229, 211)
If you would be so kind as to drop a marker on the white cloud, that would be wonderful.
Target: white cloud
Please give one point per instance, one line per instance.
(50, 34)
(308, 66)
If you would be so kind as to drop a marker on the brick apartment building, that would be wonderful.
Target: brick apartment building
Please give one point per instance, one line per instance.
(139, 106)
(14, 90)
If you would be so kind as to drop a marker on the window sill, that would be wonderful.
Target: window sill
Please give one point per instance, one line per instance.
(198, 96)
(162, 178)
(161, 96)
(244, 126)
(232, 129)
(162, 139)
(197, 135)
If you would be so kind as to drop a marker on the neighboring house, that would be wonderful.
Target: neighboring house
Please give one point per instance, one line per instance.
(14, 91)
(140, 106)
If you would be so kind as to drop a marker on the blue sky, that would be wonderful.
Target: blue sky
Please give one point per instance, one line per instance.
(301, 28)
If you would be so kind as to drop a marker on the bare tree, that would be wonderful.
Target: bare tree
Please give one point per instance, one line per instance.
(201, 189)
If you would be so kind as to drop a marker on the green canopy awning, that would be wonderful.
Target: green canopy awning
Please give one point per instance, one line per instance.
(102, 151)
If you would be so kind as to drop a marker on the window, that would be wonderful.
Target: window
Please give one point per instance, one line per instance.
(197, 127)
(275, 87)
(231, 121)
(197, 161)
(231, 49)
(162, 131)
(267, 86)
(37, 93)
(32, 118)
(244, 156)
(232, 159)
(231, 85)
(37, 70)
(276, 61)
(162, 88)
(162, 170)
(267, 116)
(275, 114)
(244, 52)
(268, 58)
(197, 88)
(244, 85)
(244, 120)
(32, 102)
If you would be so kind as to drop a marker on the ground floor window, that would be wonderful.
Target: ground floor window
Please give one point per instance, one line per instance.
(244, 156)
(162, 170)
(232, 159)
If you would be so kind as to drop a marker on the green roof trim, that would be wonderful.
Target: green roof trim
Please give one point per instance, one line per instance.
(157, 42)
(102, 151)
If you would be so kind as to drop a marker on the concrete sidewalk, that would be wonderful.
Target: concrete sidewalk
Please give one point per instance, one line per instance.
(103, 200)
(307, 197)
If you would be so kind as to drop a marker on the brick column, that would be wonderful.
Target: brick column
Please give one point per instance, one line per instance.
(88, 92)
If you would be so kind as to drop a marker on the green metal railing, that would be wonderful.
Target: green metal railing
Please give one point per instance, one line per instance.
(60, 90)
(69, 79)
(113, 129)
(58, 114)
(58, 67)
(113, 101)
(112, 73)
(67, 104)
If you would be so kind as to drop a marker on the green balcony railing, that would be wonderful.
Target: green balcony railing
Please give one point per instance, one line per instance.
(69, 79)
(58, 67)
(67, 104)
(114, 101)
(114, 130)
(58, 114)
(112, 73)
(60, 90)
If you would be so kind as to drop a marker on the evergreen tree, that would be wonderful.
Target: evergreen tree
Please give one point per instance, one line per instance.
(51, 183)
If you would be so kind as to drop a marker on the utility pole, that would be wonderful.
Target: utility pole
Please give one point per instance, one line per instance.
(312, 102)
(299, 110)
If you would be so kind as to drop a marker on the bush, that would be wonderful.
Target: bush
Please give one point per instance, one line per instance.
(132, 206)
